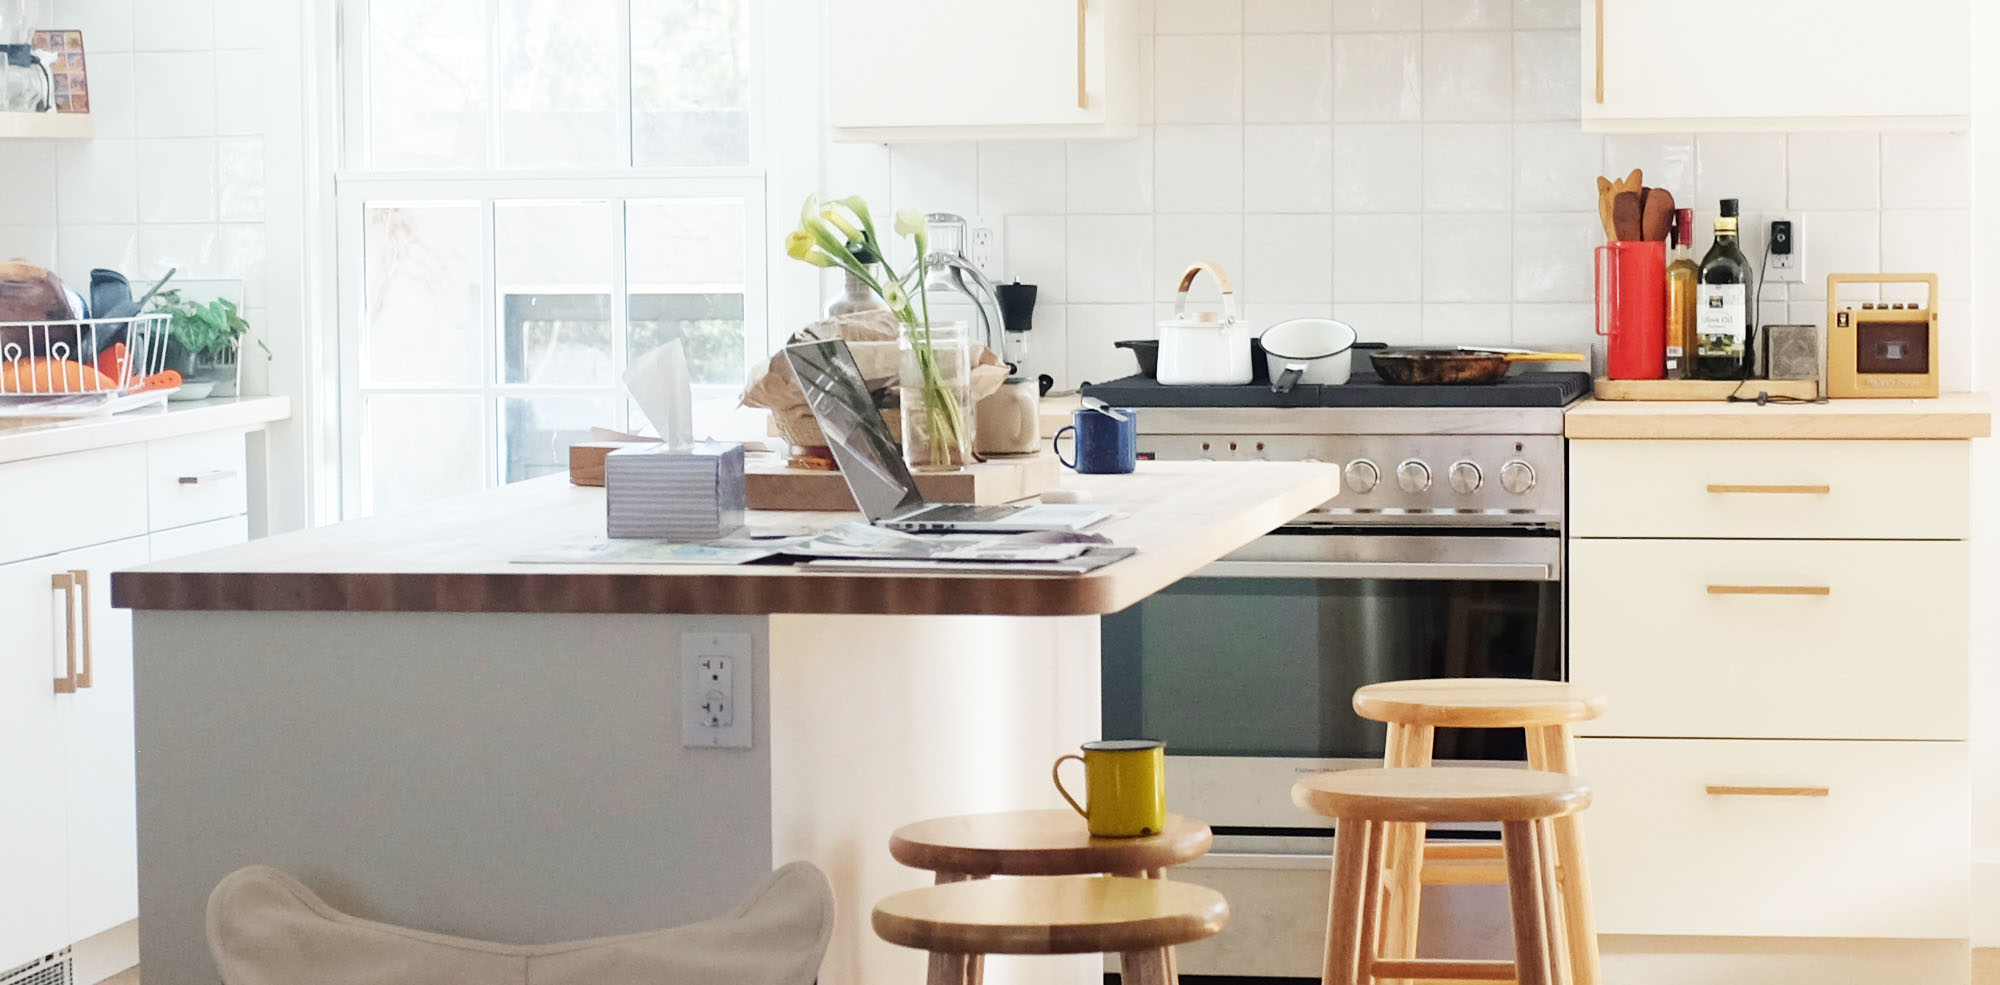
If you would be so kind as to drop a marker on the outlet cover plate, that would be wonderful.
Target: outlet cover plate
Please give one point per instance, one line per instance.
(715, 690)
(1781, 269)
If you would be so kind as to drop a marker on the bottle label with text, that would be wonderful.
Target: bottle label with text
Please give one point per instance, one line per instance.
(1722, 319)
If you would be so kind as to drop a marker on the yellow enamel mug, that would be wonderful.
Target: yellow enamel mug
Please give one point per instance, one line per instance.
(1125, 784)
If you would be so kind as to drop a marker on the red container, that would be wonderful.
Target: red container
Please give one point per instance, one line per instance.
(1632, 308)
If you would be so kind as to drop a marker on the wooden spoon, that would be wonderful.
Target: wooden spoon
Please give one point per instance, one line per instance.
(1625, 216)
(1604, 194)
(1657, 214)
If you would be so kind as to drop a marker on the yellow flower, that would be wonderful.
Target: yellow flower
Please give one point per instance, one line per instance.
(832, 215)
(909, 222)
(799, 246)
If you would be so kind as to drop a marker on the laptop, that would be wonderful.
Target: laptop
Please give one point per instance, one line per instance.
(873, 466)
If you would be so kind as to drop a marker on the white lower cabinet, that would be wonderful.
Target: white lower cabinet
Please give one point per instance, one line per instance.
(1762, 838)
(68, 847)
(68, 837)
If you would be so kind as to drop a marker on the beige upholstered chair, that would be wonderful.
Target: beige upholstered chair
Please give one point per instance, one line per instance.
(265, 928)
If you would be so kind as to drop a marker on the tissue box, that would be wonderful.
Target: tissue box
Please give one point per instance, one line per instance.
(688, 494)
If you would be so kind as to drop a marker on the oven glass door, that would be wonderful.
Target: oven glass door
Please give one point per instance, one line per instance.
(1259, 664)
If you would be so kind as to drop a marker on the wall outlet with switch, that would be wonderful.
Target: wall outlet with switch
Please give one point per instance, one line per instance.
(715, 690)
(1787, 261)
(988, 249)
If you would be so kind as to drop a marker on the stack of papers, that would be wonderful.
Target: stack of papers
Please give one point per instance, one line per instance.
(861, 547)
(689, 495)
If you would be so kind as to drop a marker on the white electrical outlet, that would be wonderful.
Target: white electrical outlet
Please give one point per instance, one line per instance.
(715, 690)
(1785, 268)
(988, 249)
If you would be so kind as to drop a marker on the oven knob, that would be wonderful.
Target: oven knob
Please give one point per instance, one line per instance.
(1464, 477)
(1413, 476)
(1517, 477)
(1362, 475)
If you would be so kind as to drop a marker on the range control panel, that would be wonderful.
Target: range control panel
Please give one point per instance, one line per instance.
(1425, 473)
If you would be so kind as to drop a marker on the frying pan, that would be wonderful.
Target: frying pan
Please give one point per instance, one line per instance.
(1462, 365)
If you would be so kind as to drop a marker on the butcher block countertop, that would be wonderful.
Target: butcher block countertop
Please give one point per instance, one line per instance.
(458, 556)
(27, 437)
(1951, 416)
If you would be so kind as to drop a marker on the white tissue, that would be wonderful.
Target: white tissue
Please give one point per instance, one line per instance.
(658, 383)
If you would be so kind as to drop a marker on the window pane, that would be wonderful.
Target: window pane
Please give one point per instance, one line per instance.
(690, 82)
(536, 432)
(420, 323)
(418, 449)
(684, 260)
(559, 84)
(426, 84)
(555, 265)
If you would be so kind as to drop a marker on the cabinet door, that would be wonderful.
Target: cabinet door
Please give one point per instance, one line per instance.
(966, 63)
(98, 752)
(210, 536)
(1729, 64)
(34, 842)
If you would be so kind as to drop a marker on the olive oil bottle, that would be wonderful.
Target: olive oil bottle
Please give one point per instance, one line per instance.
(1683, 281)
(1722, 301)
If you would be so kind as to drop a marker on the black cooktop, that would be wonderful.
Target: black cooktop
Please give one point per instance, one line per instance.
(1363, 389)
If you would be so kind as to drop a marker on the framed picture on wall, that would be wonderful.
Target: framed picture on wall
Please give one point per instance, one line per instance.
(65, 49)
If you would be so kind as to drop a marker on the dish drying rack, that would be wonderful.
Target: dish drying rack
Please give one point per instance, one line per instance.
(67, 368)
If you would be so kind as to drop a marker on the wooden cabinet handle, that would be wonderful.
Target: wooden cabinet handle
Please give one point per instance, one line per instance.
(1082, 89)
(1816, 590)
(66, 584)
(1600, 52)
(1773, 490)
(1718, 790)
(82, 579)
(216, 476)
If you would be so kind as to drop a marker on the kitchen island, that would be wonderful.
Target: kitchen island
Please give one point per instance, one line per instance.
(431, 733)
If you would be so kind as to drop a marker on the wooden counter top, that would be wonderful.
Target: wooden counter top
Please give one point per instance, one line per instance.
(1951, 416)
(24, 438)
(456, 557)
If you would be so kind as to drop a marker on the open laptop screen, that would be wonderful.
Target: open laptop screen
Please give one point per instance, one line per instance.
(869, 458)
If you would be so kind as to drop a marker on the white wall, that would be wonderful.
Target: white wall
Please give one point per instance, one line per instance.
(1985, 355)
(1415, 169)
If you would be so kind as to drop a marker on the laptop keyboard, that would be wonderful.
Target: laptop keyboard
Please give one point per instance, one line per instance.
(955, 513)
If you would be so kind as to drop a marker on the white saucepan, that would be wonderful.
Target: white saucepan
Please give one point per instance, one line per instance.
(1315, 351)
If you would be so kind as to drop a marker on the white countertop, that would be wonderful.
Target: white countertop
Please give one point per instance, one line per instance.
(24, 438)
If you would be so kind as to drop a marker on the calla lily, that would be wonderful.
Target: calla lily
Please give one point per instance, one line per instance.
(798, 244)
(859, 206)
(832, 215)
(909, 222)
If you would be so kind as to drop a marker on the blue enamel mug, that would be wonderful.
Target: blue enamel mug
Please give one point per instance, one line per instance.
(1106, 443)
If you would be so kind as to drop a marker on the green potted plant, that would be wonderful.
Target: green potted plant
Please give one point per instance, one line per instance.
(204, 341)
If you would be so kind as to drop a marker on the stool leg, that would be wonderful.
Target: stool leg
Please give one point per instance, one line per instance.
(1149, 967)
(1371, 902)
(1412, 748)
(950, 969)
(974, 970)
(1343, 924)
(1572, 869)
(1530, 913)
(1552, 910)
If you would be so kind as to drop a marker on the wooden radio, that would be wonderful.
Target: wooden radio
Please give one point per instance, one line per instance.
(1881, 348)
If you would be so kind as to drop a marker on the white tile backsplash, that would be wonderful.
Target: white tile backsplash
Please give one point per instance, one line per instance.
(97, 181)
(1287, 78)
(1198, 168)
(1288, 168)
(240, 179)
(176, 94)
(106, 26)
(239, 24)
(86, 247)
(111, 93)
(239, 109)
(37, 243)
(189, 248)
(1414, 167)
(172, 25)
(178, 180)
(28, 184)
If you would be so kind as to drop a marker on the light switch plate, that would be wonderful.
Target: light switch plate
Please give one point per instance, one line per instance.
(715, 690)
(1782, 268)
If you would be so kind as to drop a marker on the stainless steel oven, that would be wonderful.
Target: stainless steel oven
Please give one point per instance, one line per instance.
(1246, 670)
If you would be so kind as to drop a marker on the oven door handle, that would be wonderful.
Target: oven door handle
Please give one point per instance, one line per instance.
(1386, 570)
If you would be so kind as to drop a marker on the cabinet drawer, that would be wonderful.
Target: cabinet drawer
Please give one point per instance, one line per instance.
(196, 478)
(1693, 638)
(1701, 837)
(1775, 489)
(213, 535)
(63, 502)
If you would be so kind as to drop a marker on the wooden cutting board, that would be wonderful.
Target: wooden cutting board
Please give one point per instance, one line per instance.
(1703, 389)
(773, 486)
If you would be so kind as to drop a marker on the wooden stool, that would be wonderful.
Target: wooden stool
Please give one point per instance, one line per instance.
(1041, 843)
(1545, 711)
(1140, 920)
(1368, 804)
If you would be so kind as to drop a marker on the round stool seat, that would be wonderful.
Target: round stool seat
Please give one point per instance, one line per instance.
(1051, 915)
(1041, 843)
(1478, 702)
(1441, 793)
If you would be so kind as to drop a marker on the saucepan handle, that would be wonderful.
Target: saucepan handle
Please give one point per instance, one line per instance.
(1289, 378)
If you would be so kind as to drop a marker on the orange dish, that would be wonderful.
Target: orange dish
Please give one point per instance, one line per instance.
(53, 376)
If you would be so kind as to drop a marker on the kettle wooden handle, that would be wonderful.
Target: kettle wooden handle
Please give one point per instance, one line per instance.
(1221, 280)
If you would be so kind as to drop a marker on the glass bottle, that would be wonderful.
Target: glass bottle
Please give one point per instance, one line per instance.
(1683, 277)
(1722, 300)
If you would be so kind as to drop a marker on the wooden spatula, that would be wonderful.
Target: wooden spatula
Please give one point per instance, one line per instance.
(1604, 196)
(1626, 219)
(1656, 214)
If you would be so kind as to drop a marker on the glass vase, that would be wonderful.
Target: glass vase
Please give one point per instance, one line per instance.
(936, 389)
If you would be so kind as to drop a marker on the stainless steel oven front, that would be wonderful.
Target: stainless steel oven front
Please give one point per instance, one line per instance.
(1246, 672)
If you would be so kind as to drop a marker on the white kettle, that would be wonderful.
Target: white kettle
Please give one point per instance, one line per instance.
(1205, 351)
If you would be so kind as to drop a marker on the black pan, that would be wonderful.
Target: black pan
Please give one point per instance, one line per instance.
(1448, 366)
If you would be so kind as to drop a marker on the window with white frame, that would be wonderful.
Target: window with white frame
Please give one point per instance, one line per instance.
(534, 193)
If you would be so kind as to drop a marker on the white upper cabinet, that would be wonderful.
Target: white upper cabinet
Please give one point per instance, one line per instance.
(1776, 64)
(902, 70)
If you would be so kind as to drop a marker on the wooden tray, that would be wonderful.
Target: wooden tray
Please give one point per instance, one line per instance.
(1703, 389)
(772, 486)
